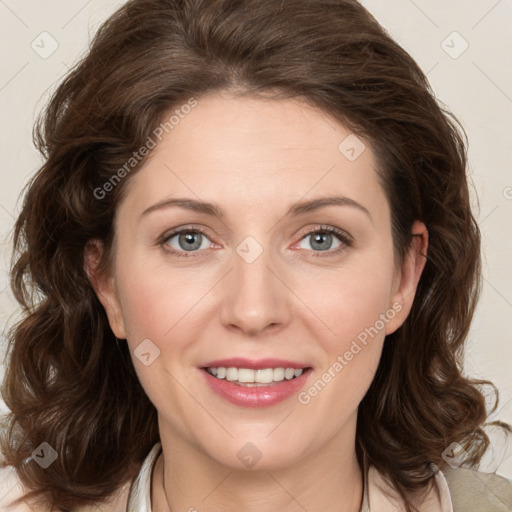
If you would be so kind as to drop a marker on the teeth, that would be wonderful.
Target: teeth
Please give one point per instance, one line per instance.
(264, 376)
(289, 373)
(278, 374)
(246, 376)
(231, 374)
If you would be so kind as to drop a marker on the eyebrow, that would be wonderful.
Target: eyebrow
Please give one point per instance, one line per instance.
(215, 210)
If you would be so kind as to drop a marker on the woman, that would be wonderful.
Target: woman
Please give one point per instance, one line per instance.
(254, 265)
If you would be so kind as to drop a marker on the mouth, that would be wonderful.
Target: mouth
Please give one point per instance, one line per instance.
(247, 382)
(261, 377)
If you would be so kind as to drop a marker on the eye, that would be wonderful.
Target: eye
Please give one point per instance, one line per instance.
(321, 239)
(186, 240)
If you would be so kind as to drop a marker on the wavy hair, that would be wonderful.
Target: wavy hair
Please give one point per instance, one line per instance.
(70, 384)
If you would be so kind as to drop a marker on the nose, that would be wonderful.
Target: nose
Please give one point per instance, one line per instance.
(256, 298)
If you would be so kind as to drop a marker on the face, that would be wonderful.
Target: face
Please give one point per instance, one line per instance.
(269, 279)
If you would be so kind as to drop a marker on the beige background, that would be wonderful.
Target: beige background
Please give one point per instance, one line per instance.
(474, 82)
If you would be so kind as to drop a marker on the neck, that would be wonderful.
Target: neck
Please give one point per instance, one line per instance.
(330, 479)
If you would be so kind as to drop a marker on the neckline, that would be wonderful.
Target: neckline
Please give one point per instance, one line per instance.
(139, 499)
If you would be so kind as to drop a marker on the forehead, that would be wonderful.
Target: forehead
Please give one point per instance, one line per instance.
(256, 152)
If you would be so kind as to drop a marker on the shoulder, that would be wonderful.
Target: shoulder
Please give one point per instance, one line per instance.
(472, 490)
(11, 489)
(453, 490)
(382, 495)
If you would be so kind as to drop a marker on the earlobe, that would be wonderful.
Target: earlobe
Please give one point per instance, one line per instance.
(104, 287)
(410, 275)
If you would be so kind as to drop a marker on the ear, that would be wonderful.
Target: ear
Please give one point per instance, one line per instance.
(104, 286)
(407, 278)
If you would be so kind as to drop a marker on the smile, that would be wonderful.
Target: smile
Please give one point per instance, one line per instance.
(254, 378)
(261, 387)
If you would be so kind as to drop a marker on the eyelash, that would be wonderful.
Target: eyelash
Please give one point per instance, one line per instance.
(344, 237)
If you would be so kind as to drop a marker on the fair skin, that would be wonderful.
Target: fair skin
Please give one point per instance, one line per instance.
(254, 158)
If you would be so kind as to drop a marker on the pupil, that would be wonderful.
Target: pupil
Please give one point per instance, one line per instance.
(190, 244)
(318, 241)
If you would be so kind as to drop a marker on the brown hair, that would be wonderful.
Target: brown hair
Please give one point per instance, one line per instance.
(70, 384)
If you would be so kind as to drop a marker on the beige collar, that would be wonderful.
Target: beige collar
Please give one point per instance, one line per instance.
(379, 495)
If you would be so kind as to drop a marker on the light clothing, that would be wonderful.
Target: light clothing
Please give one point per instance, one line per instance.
(374, 498)
(460, 490)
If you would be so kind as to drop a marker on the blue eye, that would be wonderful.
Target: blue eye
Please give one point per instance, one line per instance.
(322, 239)
(188, 240)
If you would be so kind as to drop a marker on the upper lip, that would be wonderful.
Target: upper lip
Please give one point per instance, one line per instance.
(254, 364)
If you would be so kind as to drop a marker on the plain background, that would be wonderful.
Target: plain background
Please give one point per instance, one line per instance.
(465, 47)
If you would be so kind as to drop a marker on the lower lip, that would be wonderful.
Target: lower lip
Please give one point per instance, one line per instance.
(261, 396)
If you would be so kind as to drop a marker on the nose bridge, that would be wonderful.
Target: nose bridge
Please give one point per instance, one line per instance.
(256, 298)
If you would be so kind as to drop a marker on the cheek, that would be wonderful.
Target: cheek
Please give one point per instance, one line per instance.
(162, 307)
(351, 299)
(355, 305)
(356, 309)
(155, 299)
